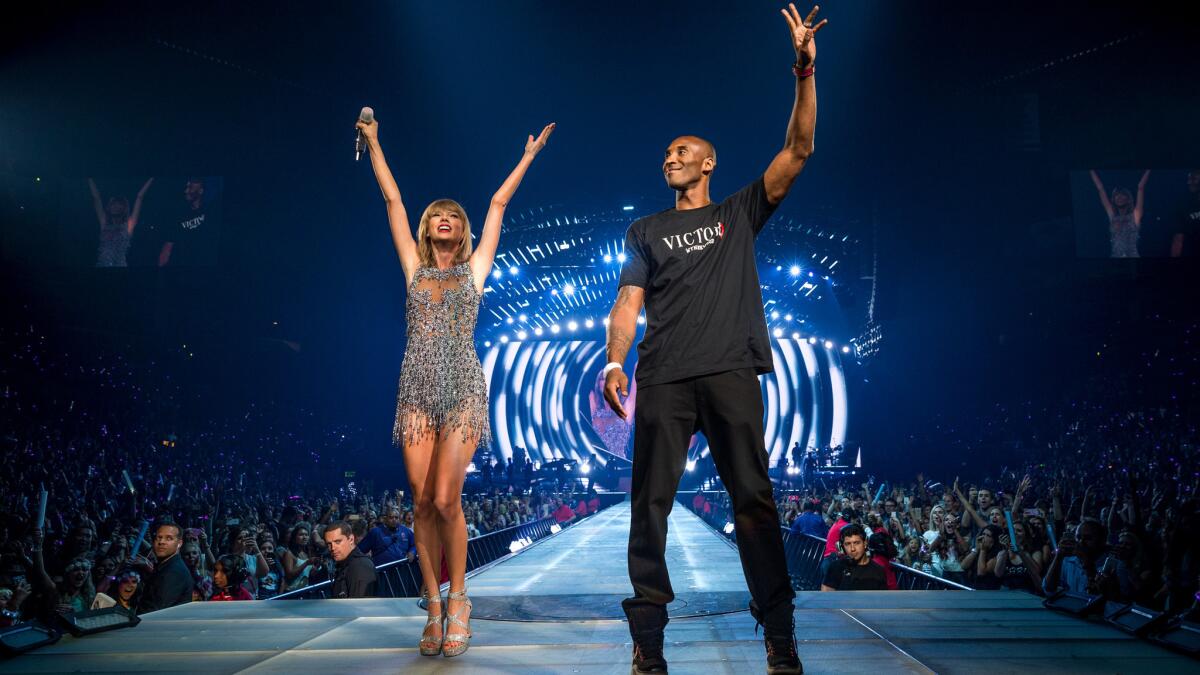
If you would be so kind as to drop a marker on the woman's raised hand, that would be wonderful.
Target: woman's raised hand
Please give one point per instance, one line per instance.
(370, 130)
(534, 145)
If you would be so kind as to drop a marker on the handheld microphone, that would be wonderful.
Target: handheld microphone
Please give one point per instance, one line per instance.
(360, 144)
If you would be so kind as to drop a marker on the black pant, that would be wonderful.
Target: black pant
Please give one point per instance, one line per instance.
(728, 408)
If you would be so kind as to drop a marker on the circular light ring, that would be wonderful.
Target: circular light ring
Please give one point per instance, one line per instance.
(542, 397)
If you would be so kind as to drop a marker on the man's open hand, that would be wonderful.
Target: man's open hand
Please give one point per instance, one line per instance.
(803, 31)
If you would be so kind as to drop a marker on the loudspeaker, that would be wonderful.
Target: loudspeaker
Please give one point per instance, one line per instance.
(26, 636)
(98, 620)
(1181, 635)
(1079, 604)
(1135, 619)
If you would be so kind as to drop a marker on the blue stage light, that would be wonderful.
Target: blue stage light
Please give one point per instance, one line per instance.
(554, 329)
(508, 320)
(607, 257)
(522, 318)
(626, 208)
(521, 335)
(620, 257)
(778, 332)
(774, 315)
(828, 344)
(537, 331)
(795, 270)
(589, 323)
(504, 339)
(512, 271)
(497, 274)
(571, 325)
(569, 289)
(845, 350)
(641, 320)
(812, 340)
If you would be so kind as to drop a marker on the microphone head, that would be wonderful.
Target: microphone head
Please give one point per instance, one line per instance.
(367, 115)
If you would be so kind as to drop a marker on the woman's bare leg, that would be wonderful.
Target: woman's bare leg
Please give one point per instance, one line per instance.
(452, 458)
(420, 463)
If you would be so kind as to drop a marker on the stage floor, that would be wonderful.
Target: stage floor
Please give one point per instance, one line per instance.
(552, 609)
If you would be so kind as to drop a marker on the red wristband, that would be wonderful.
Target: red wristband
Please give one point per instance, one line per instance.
(806, 72)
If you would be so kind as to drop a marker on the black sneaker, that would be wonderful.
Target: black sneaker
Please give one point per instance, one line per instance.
(646, 624)
(648, 653)
(782, 658)
(779, 637)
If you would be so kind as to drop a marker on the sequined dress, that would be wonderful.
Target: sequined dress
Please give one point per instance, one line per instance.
(1123, 231)
(441, 381)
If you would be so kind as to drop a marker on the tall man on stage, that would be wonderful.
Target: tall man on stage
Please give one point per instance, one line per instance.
(705, 344)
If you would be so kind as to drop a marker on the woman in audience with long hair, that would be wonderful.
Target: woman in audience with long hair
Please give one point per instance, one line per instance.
(299, 556)
(980, 563)
(229, 575)
(1015, 565)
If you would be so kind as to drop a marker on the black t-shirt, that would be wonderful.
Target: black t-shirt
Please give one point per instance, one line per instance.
(194, 233)
(1187, 223)
(704, 310)
(846, 576)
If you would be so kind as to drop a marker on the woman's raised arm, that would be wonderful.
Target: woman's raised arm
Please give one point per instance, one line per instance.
(489, 239)
(406, 246)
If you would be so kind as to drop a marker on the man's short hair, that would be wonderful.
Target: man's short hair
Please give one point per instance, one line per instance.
(809, 506)
(704, 143)
(708, 147)
(852, 531)
(342, 526)
(178, 529)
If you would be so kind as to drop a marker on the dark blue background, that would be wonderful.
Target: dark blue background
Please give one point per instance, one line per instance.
(954, 126)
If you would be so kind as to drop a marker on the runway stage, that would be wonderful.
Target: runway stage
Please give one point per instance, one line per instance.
(554, 608)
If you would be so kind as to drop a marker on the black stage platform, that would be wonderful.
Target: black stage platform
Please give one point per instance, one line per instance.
(554, 608)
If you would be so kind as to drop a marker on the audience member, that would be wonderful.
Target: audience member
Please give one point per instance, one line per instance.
(169, 583)
(354, 575)
(854, 570)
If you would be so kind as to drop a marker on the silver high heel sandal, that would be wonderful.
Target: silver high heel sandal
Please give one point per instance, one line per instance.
(463, 640)
(432, 646)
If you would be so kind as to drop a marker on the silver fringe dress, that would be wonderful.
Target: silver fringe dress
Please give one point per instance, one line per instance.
(442, 388)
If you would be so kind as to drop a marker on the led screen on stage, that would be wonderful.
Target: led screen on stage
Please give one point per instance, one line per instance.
(547, 401)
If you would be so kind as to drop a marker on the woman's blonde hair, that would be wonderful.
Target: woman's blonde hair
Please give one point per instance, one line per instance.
(425, 249)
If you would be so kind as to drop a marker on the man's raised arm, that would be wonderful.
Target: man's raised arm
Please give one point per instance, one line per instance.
(798, 145)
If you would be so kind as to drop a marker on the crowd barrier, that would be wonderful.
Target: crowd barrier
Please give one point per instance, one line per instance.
(402, 578)
(804, 553)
